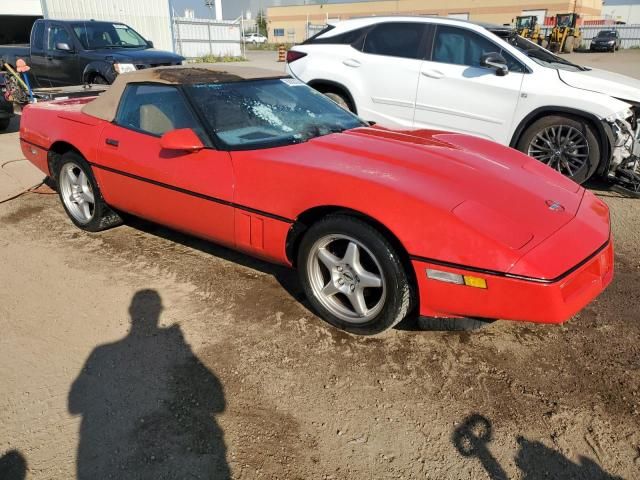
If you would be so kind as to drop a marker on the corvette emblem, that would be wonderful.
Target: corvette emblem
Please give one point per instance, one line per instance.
(554, 206)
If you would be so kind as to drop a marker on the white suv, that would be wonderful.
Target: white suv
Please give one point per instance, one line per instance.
(422, 72)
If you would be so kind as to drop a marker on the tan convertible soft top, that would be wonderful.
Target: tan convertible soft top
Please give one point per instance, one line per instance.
(106, 105)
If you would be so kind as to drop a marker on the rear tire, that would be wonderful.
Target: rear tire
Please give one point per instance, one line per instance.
(352, 276)
(544, 139)
(80, 195)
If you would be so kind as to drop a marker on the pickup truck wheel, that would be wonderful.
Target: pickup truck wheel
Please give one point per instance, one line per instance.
(81, 196)
(566, 144)
(4, 123)
(352, 276)
(99, 80)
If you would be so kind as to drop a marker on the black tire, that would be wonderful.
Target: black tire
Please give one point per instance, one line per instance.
(4, 123)
(339, 98)
(591, 162)
(103, 216)
(452, 324)
(399, 296)
(99, 80)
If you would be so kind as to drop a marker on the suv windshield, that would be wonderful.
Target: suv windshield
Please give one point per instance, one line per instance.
(540, 55)
(267, 113)
(96, 35)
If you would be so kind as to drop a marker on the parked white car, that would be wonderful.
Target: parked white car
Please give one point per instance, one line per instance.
(437, 73)
(255, 38)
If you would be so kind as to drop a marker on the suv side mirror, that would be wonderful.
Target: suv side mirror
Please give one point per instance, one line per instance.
(150, 43)
(183, 139)
(63, 46)
(495, 61)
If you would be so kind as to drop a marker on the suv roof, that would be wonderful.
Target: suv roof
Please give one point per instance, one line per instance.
(343, 26)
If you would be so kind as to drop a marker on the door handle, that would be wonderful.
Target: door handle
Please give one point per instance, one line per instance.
(350, 62)
(432, 73)
(112, 142)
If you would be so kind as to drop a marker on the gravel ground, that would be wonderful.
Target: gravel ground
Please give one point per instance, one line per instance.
(143, 353)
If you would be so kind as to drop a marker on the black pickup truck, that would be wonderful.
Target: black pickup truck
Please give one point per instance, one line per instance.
(68, 52)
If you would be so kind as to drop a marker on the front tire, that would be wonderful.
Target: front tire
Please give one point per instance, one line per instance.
(567, 144)
(80, 195)
(352, 276)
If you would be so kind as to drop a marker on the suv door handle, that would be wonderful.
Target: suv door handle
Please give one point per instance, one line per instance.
(432, 73)
(350, 62)
(112, 142)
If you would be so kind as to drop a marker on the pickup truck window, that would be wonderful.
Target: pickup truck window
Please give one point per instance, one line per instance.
(37, 37)
(96, 35)
(58, 34)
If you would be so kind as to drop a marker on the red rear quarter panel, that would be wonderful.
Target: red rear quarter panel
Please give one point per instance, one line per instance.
(44, 124)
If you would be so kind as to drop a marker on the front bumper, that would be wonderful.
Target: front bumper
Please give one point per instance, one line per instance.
(510, 298)
(601, 46)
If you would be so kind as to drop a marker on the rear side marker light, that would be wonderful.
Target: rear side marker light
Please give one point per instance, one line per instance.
(292, 56)
(456, 278)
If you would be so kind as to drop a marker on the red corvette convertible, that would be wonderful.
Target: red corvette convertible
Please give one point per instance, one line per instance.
(379, 223)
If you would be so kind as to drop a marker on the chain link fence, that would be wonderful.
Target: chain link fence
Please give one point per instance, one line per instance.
(195, 37)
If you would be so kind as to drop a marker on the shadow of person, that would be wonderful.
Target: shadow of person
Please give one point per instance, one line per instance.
(537, 461)
(147, 405)
(472, 437)
(13, 466)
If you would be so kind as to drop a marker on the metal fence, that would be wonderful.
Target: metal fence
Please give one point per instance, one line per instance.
(629, 34)
(195, 37)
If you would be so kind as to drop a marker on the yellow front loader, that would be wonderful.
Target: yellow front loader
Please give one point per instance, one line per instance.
(565, 35)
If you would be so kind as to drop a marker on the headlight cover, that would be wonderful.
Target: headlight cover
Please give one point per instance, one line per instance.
(622, 115)
(124, 67)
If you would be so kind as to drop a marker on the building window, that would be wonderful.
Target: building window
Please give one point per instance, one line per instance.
(278, 32)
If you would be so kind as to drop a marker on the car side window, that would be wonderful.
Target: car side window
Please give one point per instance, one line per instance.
(396, 39)
(460, 46)
(155, 109)
(58, 34)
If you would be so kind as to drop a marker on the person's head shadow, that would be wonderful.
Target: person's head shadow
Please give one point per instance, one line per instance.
(148, 404)
(144, 310)
(536, 461)
(13, 466)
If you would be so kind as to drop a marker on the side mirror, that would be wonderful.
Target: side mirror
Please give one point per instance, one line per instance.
(150, 43)
(63, 46)
(183, 139)
(495, 61)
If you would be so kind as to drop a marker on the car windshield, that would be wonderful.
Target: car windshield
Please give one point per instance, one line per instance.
(267, 113)
(97, 35)
(540, 55)
(606, 34)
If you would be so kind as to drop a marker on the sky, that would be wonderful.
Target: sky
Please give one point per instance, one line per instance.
(232, 9)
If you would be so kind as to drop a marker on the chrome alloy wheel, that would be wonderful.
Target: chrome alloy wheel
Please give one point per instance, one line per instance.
(76, 192)
(562, 147)
(346, 278)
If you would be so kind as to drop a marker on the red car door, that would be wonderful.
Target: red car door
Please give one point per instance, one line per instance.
(188, 191)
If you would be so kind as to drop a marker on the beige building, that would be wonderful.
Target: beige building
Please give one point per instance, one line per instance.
(293, 24)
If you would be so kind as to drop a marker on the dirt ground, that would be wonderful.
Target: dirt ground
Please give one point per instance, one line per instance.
(143, 353)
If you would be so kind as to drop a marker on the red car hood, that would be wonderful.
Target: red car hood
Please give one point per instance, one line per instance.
(497, 191)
